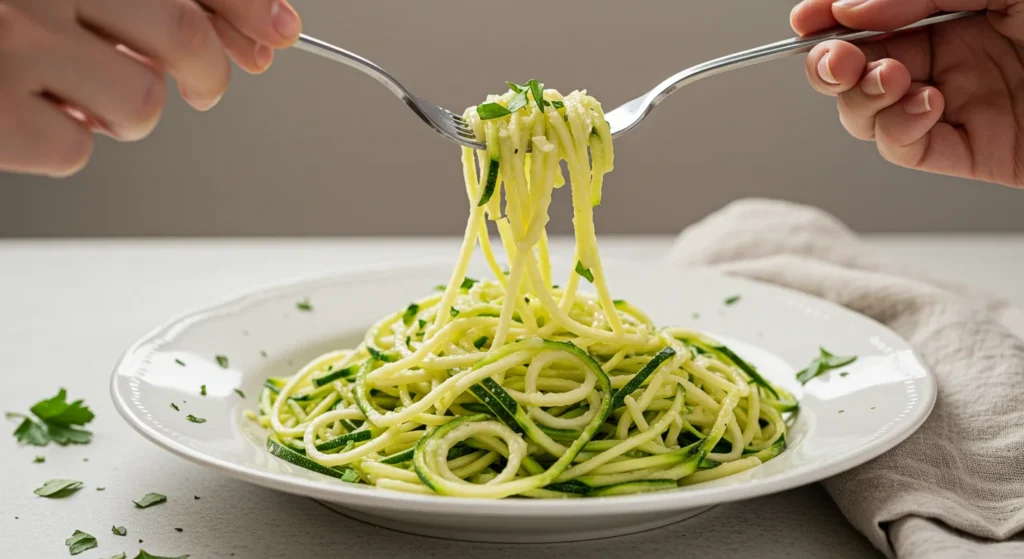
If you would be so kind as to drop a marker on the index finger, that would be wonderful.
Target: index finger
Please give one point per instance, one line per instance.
(269, 22)
(810, 16)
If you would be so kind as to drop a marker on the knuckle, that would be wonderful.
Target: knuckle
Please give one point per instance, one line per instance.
(70, 152)
(192, 30)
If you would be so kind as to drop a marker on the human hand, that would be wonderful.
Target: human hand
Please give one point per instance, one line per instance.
(946, 99)
(72, 67)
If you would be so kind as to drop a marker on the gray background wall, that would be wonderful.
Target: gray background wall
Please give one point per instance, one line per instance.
(313, 148)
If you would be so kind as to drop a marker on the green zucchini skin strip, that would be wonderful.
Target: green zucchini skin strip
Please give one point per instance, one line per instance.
(288, 455)
(400, 458)
(634, 487)
(492, 181)
(335, 375)
(552, 472)
(338, 442)
(641, 376)
(726, 354)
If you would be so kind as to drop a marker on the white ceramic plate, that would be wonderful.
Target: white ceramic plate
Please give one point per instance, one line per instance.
(844, 420)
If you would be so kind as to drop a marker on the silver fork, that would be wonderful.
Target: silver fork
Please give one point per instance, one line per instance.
(626, 117)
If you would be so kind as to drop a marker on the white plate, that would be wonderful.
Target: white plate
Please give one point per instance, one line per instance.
(844, 420)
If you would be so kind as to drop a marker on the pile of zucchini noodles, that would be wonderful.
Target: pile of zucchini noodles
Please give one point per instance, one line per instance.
(514, 386)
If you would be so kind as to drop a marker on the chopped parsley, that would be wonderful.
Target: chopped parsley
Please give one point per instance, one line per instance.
(196, 497)
(585, 273)
(515, 87)
(558, 104)
(180, 362)
(149, 500)
(696, 315)
(304, 305)
(179, 530)
(468, 283)
(202, 390)
(101, 489)
(422, 323)
(39, 459)
(844, 374)
(58, 488)
(175, 406)
(263, 353)
(480, 342)
(732, 300)
(537, 89)
(824, 363)
(143, 555)
(118, 556)
(488, 111)
(518, 101)
(195, 419)
(453, 311)
(410, 313)
(56, 422)
(240, 393)
(222, 360)
(119, 530)
(79, 542)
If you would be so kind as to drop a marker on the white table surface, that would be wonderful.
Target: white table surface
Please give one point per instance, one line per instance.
(69, 308)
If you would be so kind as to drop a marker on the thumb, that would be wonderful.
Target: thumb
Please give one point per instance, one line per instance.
(886, 15)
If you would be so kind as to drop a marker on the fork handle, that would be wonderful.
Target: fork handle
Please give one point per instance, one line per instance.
(352, 60)
(785, 48)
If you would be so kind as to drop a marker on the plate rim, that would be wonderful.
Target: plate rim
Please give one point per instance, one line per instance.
(342, 493)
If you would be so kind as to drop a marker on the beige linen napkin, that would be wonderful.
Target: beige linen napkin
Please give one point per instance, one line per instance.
(956, 487)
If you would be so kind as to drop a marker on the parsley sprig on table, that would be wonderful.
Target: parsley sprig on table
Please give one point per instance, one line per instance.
(55, 420)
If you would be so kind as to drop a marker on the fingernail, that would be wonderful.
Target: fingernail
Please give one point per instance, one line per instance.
(199, 103)
(847, 4)
(825, 70)
(919, 104)
(285, 20)
(264, 55)
(872, 83)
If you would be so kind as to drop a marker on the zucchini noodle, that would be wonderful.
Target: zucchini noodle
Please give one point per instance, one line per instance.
(514, 386)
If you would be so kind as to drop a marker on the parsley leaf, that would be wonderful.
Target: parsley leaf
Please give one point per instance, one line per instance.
(79, 542)
(143, 555)
(222, 360)
(422, 323)
(468, 283)
(538, 94)
(119, 530)
(584, 272)
(453, 311)
(202, 390)
(58, 411)
(240, 393)
(180, 362)
(304, 305)
(515, 87)
(732, 300)
(149, 500)
(195, 419)
(557, 104)
(487, 111)
(824, 363)
(410, 313)
(58, 488)
(39, 459)
(480, 342)
(518, 101)
(65, 435)
(175, 406)
(29, 431)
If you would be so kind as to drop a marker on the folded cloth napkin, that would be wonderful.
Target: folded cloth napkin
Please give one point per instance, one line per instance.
(956, 487)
